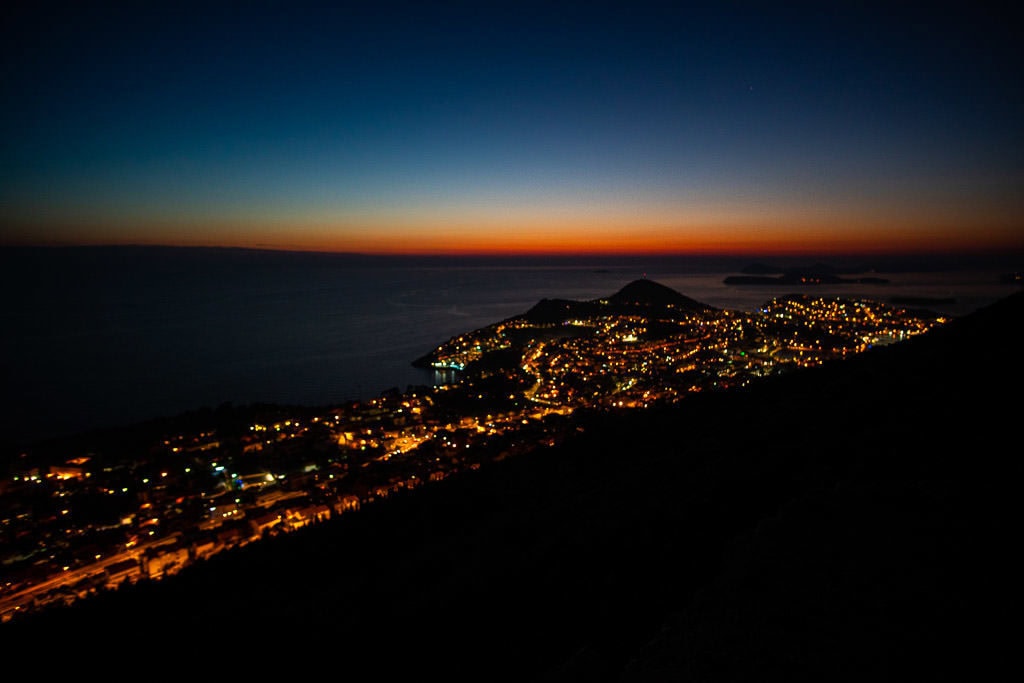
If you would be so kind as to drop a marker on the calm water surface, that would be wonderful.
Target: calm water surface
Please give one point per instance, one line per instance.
(99, 337)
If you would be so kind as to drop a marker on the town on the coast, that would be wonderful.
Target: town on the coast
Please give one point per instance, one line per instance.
(89, 518)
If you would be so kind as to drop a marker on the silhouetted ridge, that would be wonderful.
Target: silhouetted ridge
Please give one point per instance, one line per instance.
(557, 310)
(639, 296)
(650, 293)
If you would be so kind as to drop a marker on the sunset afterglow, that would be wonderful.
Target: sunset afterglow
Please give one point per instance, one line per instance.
(459, 130)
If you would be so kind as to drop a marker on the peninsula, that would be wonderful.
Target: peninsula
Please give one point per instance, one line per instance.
(811, 526)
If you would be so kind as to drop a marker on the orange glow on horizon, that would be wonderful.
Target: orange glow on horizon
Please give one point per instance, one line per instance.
(556, 236)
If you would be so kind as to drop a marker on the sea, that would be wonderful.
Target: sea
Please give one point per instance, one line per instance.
(103, 337)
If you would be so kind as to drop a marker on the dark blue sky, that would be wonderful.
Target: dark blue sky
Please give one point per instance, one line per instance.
(512, 127)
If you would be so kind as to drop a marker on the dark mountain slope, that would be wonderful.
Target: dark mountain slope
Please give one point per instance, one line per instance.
(848, 522)
(646, 292)
(893, 559)
(638, 297)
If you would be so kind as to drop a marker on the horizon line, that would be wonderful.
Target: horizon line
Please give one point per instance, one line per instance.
(735, 253)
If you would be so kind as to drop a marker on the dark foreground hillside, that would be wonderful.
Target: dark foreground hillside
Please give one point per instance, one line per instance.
(853, 522)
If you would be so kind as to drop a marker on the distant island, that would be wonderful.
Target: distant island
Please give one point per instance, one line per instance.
(817, 274)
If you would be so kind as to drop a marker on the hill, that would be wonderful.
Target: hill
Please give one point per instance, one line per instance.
(636, 297)
(853, 521)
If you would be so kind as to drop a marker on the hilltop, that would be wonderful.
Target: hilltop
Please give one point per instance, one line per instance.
(641, 297)
(646, 292)
(636, 297)
(847, 522)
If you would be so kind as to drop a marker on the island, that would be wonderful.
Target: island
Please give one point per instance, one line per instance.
(816, 274)
(802, 278)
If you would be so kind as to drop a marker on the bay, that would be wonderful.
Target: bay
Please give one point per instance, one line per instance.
(100, 337)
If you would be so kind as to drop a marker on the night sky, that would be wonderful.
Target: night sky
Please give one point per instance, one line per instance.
(519, 127)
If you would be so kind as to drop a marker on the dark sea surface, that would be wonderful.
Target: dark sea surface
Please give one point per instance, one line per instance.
(98, 337)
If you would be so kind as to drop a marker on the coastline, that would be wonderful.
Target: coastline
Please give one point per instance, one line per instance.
(113, 336)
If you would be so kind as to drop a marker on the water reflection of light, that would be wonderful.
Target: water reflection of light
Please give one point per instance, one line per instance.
(444, 376)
